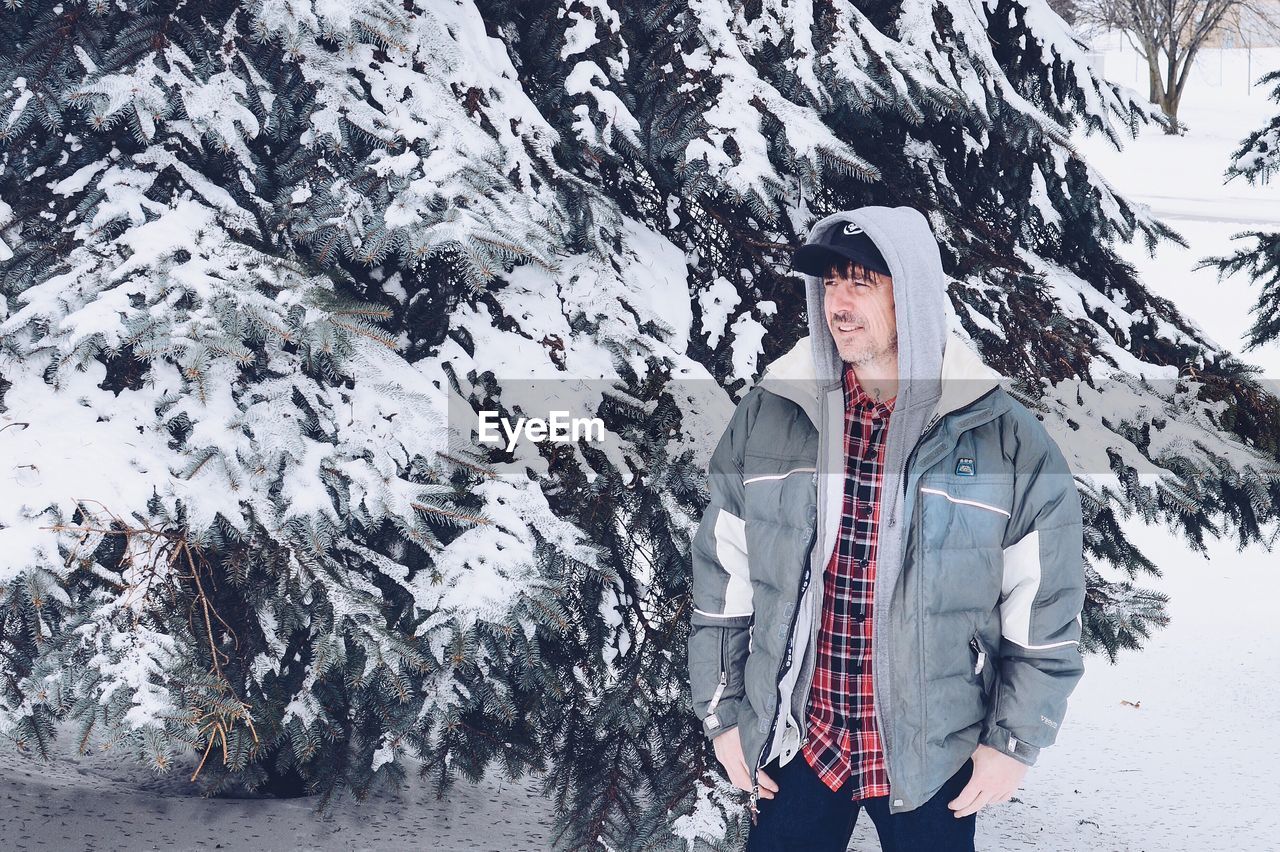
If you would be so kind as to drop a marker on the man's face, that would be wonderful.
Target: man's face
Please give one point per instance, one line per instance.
(859, 308)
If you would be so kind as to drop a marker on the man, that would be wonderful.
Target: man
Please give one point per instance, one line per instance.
(888, 580)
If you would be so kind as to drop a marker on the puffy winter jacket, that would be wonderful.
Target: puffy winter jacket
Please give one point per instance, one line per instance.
(980, 577)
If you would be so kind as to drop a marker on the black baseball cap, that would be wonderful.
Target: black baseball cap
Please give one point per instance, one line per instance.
(842, 240)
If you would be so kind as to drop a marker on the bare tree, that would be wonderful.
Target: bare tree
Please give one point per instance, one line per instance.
(1066, 9)
(1169, 33)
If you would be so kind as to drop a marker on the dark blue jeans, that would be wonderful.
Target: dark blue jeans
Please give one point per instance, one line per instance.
(806, 815)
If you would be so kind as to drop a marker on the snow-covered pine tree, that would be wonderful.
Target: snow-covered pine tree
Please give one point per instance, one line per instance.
(243, 531)
(1257, 160)
(261, 245)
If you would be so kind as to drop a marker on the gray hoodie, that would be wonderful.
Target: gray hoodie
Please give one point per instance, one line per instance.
(903, 236)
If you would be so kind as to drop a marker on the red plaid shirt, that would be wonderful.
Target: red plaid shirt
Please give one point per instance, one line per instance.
(843, 739)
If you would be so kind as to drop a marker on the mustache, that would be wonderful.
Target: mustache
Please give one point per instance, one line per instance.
(846, 319)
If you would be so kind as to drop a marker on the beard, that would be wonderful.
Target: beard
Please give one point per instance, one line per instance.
(861, 353)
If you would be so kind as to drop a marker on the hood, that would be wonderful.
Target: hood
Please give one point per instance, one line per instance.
(964, 376)
(904, 237)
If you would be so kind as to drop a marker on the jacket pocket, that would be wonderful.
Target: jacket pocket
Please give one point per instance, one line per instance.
(962, 515)
(724, 678)
(779, 492)
(712, 720)
(960, 499)
(983, 665)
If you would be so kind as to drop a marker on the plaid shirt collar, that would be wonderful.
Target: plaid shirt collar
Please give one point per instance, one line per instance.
(856, 396)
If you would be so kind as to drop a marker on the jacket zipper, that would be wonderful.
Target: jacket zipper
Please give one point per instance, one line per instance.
(808, 567)
(976, 644)
(724, 680)
(916, 528)
(924, 434)
(755, 774)
(875, 705)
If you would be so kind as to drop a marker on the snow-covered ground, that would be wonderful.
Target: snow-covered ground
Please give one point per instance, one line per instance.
(1192, 767)
(1196, 764)
(99, 802)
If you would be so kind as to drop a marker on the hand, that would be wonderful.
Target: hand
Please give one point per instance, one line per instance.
(995, 777)
(728, 748)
